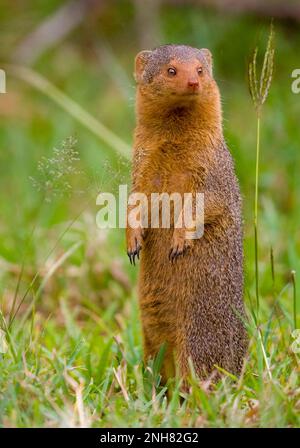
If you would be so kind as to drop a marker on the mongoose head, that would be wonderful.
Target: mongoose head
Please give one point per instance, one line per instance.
(176, 75)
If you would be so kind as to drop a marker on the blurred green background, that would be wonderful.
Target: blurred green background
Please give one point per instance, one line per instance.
(86, 49)
(93, 63)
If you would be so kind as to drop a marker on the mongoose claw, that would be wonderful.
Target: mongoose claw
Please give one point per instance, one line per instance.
(178, 248)
(172, 254)
(175, 252)
(134, 252)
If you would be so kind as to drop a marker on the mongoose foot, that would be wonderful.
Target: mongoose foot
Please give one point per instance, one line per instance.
(179, 245)
(134, 244)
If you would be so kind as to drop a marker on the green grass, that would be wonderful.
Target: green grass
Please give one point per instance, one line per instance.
(82, 365)
(74, 353)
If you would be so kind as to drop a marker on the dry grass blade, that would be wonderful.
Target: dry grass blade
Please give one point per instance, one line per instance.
(120, 377)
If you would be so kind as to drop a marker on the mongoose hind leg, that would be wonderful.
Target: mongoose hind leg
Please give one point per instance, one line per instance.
(151, 350)
(206, 352)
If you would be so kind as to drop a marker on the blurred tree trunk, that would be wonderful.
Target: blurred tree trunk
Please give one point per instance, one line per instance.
(147, 13)
(54, 29)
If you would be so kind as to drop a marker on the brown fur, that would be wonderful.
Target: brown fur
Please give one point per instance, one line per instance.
(194, 304)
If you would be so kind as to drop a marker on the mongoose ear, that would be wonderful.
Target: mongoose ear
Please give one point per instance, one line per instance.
(140, 63)
(208, 58)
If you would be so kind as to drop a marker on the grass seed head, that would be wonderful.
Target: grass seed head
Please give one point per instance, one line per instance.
(259, 86)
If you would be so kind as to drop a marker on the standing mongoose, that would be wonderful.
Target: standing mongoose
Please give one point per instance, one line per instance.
(190, 290)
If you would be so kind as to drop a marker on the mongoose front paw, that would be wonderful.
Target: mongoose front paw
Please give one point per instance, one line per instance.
(179, 245)
(134, 244)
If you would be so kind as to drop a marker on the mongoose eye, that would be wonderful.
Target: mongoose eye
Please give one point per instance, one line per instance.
(172, 71)
(199, 70)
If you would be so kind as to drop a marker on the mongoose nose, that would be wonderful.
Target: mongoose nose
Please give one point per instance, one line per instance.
(193, 84)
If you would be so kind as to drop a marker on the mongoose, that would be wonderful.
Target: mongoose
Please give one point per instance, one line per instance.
(190, 291)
